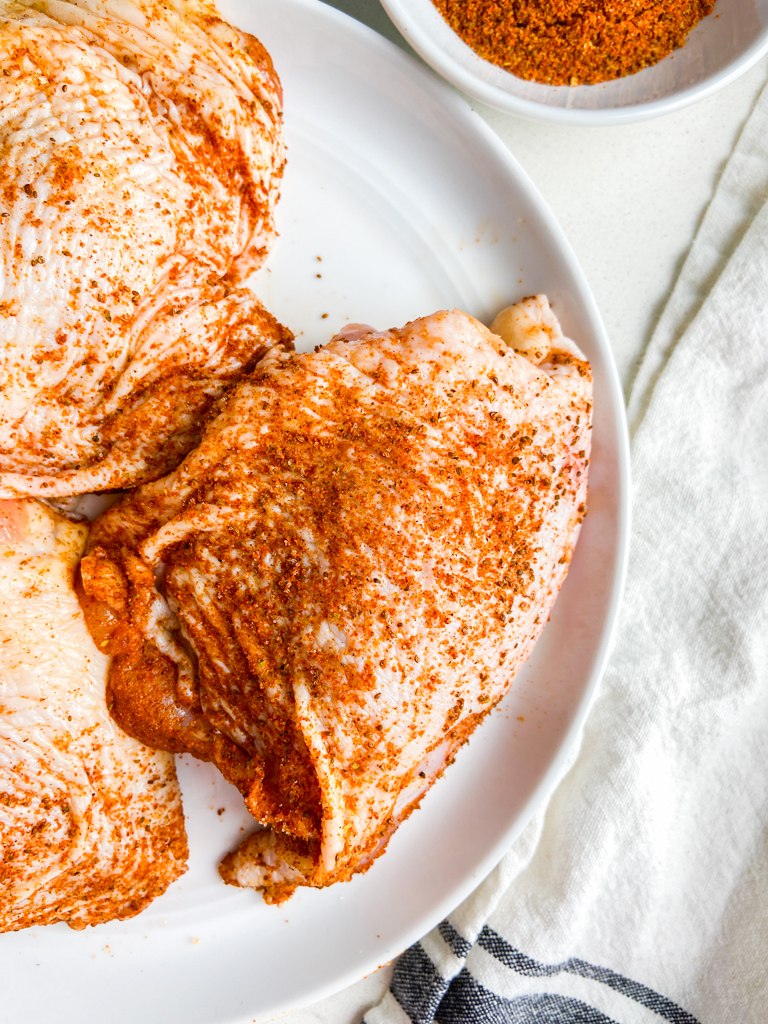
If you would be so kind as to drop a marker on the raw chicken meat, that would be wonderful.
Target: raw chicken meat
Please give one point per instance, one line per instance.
(91, 826)
(333, 589)
(140, 160)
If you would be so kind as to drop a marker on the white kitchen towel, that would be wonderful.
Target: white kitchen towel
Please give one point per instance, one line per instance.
(640, 893)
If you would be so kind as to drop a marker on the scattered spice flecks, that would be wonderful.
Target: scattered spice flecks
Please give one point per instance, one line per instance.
(573, 42)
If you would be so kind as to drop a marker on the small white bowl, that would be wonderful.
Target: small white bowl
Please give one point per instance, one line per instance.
(719, 49)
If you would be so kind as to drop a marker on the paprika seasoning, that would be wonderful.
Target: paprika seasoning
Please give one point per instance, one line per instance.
(573, 42)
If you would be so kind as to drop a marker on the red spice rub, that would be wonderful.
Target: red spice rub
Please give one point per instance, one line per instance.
(573, 42)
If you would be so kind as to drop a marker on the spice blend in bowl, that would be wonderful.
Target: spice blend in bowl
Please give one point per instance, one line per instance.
(573, 42)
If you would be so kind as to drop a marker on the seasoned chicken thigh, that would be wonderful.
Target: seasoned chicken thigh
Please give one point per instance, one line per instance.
(140, 158)
(333, 589)
(91, 826)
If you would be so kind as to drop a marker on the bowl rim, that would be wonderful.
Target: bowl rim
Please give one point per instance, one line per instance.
(459, 76)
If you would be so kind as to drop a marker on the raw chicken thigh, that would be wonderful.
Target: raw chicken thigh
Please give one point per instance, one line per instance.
(91, 826)
(140, 159)
(334, 588)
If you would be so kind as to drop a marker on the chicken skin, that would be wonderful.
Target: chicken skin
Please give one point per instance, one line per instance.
(140, 159)
(91, 826)
(331, 591)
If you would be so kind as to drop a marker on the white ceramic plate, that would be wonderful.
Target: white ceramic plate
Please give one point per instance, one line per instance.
(719, 49)
(413, 205)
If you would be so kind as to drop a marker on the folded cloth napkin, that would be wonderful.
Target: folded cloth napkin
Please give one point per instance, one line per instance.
(640, 892)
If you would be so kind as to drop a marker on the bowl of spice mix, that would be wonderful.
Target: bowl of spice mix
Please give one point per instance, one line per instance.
(586, 61)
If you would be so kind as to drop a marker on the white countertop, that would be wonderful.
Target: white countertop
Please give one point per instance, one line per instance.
(629, 199)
